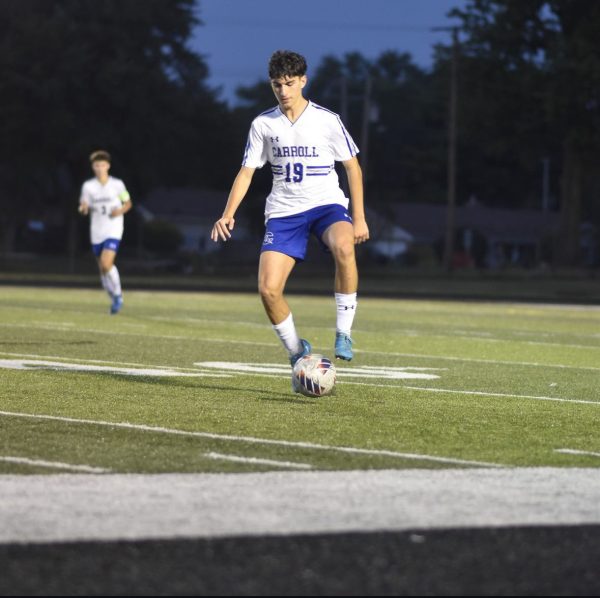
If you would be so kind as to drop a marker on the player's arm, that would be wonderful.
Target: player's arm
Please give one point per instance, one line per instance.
(223, 227)
(126, 204)
(84, 204)
(355, 182)
(122, 210)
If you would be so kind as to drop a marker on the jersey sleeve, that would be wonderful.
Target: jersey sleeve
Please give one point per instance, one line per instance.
(85, 198)
(342, 144)
(123, 194)
(255, 154)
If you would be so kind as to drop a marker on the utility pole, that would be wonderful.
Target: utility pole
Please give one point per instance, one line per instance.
(452, 134)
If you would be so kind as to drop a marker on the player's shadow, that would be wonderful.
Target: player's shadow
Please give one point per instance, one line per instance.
(198, 383)
(286, 398)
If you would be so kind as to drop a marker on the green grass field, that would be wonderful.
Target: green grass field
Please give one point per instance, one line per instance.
(197, 382)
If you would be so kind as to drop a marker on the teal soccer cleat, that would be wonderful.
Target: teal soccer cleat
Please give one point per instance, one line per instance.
(343, 346)
(306, 349)
(117, 304)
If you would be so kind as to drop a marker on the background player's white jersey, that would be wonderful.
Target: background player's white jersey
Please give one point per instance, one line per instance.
(302, 156)
(102, 199)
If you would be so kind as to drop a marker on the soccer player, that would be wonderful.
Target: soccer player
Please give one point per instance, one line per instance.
(105, 199)
(301, 140)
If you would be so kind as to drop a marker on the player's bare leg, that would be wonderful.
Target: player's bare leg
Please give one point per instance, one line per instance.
(339, 237)
(111, 280)
(273, 271)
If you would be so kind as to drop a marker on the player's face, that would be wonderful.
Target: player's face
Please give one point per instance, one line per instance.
(101, 168)
(288, 90)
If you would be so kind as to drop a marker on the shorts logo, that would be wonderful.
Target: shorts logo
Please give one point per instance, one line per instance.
(269, 237)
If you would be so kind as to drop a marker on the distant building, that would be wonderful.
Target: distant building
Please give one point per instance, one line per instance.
(193, 211)
(490, 236)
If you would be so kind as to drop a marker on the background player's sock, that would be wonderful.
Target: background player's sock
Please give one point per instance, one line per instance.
(113, 282)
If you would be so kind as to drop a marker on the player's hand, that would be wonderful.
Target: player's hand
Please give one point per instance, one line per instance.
(222, 229)
(115, 212)
(361, 231)
(83, 209)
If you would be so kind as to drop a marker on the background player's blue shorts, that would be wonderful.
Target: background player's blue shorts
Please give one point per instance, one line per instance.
(290, 234)
(112, 244)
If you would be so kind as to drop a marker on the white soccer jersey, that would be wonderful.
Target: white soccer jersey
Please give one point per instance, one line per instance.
(302, 156)
(102, 199)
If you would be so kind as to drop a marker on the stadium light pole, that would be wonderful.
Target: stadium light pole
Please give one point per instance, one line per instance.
(452, 134)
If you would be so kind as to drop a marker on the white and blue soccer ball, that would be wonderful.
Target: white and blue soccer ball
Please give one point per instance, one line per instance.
(314, 375)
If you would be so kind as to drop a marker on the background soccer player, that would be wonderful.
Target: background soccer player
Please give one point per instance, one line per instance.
(301, 141)
(105, 199)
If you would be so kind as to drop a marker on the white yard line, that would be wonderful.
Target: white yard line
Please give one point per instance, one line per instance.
(357, 351)
(33, 365)
(476, 360)
(567, 451)
(279, 371)
(103, 361)
(497, 394)
(254, 440)
(54, 464)
(256, 461)
(71, 507)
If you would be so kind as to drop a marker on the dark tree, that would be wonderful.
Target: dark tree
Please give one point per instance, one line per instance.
(78, 75)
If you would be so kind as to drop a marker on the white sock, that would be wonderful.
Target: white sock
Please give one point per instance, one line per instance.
(346, 310)
(113, 282)
(105, 284)
(286, 331)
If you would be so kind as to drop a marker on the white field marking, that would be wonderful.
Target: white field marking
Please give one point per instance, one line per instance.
(36, 365)
(475, 337)
(366, 351)
(103, 361)
(254, 440)
(392, 373)
(415, 333)
(361, 351)
(477, 360)
(280, 503)
(497, 394)
(283, 371)
(256, 461)
(567, 451)
(389, 373)
(54, 465)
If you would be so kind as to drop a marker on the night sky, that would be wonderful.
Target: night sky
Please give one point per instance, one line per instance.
(238, 36)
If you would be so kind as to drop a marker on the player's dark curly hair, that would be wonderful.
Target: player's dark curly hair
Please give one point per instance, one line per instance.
(284, 63)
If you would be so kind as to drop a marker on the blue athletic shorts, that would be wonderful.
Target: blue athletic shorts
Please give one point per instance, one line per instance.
(112, 244)
(290, 234)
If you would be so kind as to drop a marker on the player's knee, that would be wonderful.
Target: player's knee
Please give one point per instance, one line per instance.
(269, 293)
(105, 265)
(344, 251)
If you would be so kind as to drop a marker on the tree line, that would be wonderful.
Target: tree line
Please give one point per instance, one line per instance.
(80, 74)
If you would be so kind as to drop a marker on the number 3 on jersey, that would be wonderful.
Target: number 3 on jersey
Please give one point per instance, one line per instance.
(297, 169)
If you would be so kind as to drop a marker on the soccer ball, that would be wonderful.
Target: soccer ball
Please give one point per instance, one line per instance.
(314, 375)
